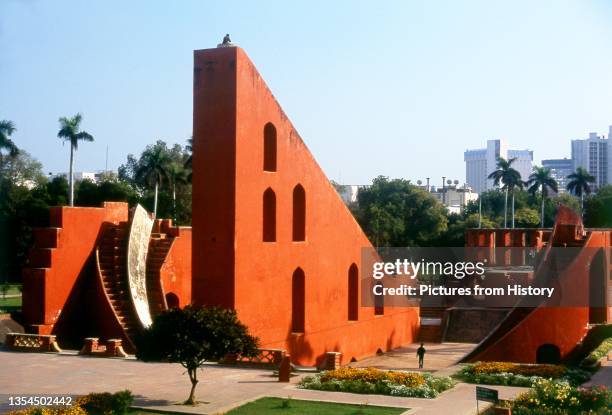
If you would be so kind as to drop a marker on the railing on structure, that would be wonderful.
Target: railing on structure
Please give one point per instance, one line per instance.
(32, 342)
(265, 358)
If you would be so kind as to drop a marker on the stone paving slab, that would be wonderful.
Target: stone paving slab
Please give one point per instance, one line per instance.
(163, 386)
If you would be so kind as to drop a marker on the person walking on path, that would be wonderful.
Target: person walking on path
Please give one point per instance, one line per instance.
(421, 354)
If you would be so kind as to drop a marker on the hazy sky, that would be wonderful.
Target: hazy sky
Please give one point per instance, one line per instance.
(394, 88)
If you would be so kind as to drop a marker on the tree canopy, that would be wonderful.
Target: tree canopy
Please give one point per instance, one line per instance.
(598, 208)
(192, 336)
(397, 213)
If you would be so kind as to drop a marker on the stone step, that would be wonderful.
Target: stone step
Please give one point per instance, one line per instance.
(431, 334)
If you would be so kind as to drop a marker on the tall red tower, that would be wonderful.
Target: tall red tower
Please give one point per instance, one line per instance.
(271, 236)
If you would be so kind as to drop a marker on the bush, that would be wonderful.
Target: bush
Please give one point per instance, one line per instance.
(513, 374)
(551, 397)
(380, 382)
(602, 350)
(50, 410)
(106, 403)
(92, 404)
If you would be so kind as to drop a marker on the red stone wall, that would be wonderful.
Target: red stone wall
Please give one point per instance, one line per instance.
(175, 273)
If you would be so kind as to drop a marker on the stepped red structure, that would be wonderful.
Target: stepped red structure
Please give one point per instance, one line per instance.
(76, 285)
(271, 237)
(548, 332)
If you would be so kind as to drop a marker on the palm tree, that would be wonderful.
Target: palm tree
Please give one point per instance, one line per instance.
(70, 131)
(189, 148)
(541, 179)
(177, 174)
(7, 128)
(153, 169)
(511, 179)
(579, 184)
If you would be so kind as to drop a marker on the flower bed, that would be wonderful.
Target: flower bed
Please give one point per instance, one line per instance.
(381, 382)
(513, 374)
(95, 403)
(553, 397)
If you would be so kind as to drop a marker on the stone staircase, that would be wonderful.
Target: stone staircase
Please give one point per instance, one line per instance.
(159, 247)
(112, 268)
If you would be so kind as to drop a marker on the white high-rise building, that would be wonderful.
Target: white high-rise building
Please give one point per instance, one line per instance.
(480, 163)
(559, 170)
(594, 154)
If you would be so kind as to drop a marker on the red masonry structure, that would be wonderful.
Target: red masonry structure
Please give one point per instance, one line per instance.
(271, 236)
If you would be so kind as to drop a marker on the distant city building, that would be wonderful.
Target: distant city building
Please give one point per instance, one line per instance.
(348, 192)
(453, 196)
(559, 170)
(91, 176)
(594, 154)
(480, 163)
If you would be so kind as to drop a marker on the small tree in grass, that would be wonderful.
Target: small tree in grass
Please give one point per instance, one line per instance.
(192, 336)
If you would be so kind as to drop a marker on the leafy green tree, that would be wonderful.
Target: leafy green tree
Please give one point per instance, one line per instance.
(492, 206)
(54, 193)
(527, 218)
(579, 184)
(457, 225)
(7, 128)
(173, 199)
(510, 179)
(23, 170)
(21, 209)
(127, 172)
(153, 168)
(541, 180)
(397, 213)
(192, 336)
(94, 194)
(598, 208)
(70, 131)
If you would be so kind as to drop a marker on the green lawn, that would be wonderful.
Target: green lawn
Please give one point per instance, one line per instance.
(267, 406)
(139, 412)
(10, 304)
(12, 290)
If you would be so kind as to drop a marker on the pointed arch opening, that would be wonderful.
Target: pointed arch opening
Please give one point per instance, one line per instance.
(353, 293)
(269, 216)
(298, 301)
(299, 213)
(269, 161)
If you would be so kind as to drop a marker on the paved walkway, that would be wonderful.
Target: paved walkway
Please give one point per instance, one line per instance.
(438, 356)
(164, 385)
(603, 377)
